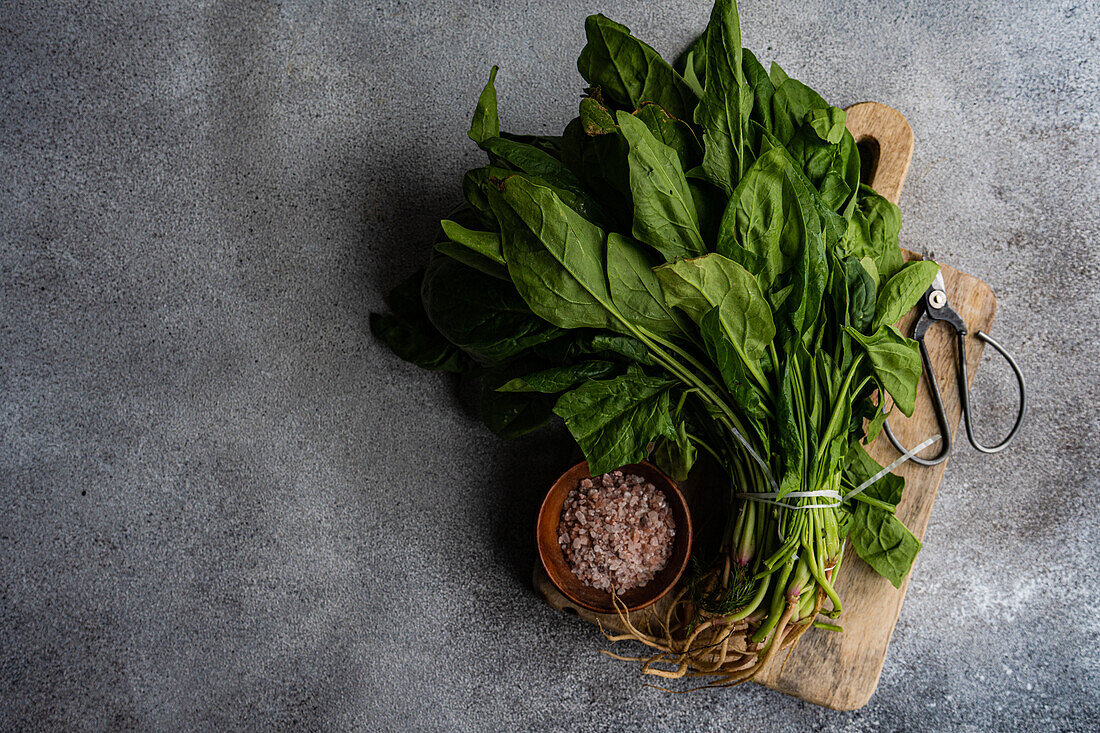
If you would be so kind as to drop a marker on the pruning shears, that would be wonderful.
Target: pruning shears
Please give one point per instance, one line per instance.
(934, 308)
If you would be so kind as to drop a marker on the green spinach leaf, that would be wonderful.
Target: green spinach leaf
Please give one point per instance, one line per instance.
(635, 290)
(872, 232)
(883, 542)
(673, 132)
(558, 379)
(615, 420)
(480, 314)
(409, 333)
(607, 346)
(692, 63)
(676, 456)
(486, 123)
(664, 211)
(724, 107)
(628, 72)
(860, 287)
(512, 414)
(896, 362)
(827, 123)
(536, 162)
(597, 119)
(762, 92)
(731, 366)
(486, 244)
(861, 467)
(777, 75)
(698, 285)
(557, 258)
(549, 144)
(470, 258)
(903, 290)
(763, 228)
(790, 103)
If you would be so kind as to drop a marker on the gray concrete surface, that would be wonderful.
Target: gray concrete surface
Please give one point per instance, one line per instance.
(225, 506)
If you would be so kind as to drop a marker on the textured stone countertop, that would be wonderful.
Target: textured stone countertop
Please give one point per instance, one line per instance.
(225, 505)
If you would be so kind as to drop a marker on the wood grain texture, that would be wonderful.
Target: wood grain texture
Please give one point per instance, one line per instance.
(841, 671)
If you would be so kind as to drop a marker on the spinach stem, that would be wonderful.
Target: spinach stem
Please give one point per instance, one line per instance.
(778, 602)
(872, 501)
(715, 381)
(839, 400)
(687, 357)
(815, 563)
(706, 446)
(728, 418)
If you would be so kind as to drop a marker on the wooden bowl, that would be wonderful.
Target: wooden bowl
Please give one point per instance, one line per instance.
(557, 567)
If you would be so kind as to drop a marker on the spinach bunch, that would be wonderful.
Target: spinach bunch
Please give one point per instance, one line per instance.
(693, 266)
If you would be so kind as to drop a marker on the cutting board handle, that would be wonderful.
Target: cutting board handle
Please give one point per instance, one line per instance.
(885, 143)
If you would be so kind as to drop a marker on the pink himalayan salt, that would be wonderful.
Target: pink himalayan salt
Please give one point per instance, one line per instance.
(616, 531)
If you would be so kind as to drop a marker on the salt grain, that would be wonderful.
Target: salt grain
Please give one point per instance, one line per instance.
(616, 531)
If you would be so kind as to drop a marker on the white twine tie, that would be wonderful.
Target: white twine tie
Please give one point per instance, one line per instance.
(769, 497)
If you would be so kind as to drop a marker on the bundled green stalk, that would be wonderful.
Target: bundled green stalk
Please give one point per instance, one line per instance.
(693, 266)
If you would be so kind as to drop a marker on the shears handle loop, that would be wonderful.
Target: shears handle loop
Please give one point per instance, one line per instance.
(964, 383)
(964, 390)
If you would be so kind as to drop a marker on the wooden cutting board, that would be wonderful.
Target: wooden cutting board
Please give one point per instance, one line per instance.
(841, 671)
